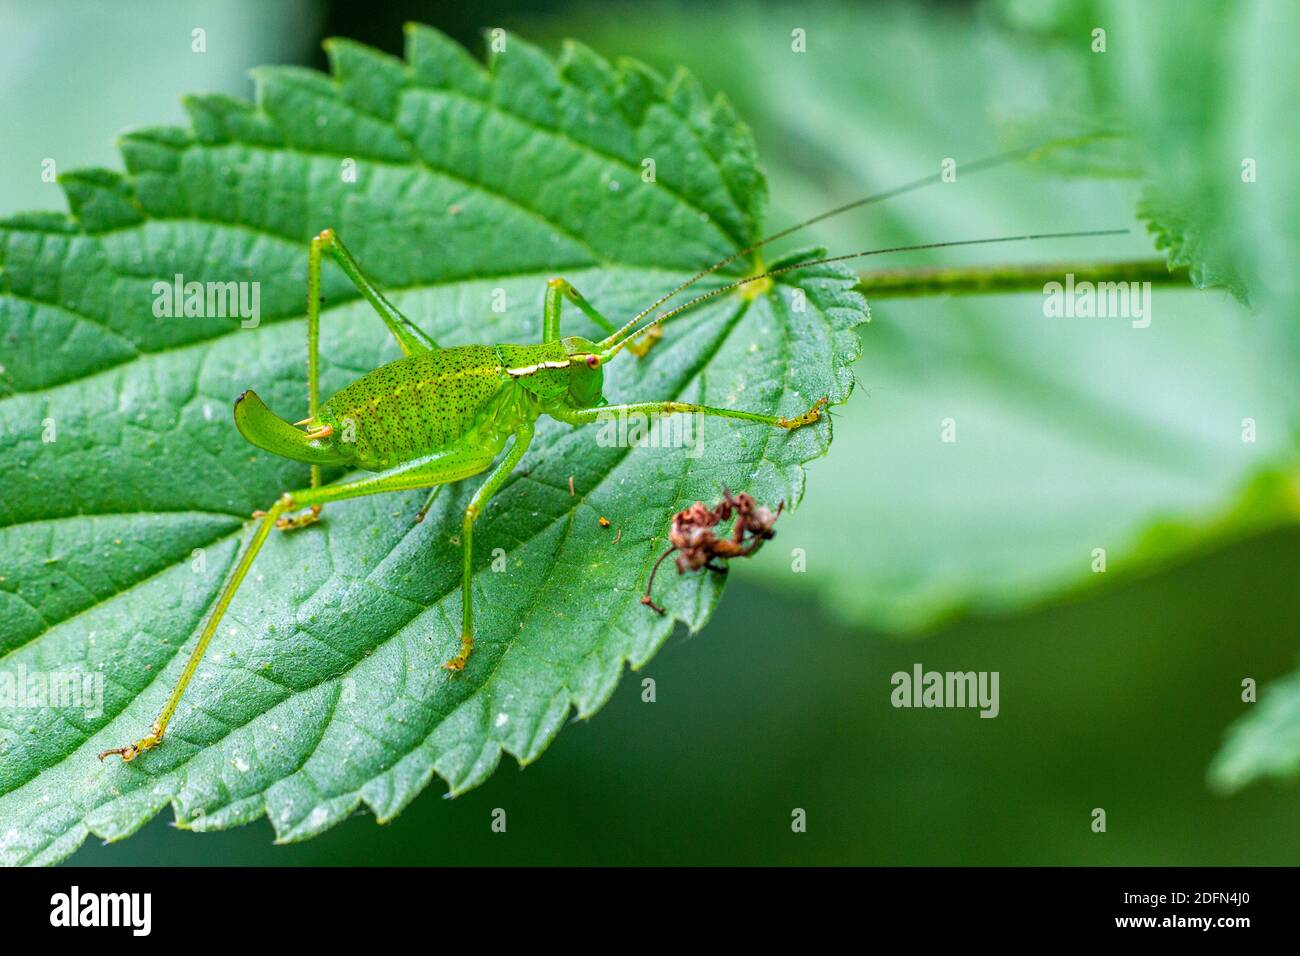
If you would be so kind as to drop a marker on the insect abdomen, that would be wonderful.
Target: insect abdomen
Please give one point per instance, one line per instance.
(416, 405)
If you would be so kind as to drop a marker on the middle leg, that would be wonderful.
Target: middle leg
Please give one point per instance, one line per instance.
(495, 479)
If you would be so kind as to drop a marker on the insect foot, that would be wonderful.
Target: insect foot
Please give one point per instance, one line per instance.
(457, 663)
(807, 418)
(153, 739)
(310, 516)
(691, 534)
(640, 347)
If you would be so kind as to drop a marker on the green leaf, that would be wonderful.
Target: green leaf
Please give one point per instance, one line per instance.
(1072, 434)
(1265, 742)
(1206, 93)
(126, 489)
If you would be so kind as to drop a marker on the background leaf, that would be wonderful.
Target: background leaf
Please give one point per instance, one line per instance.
(1203, 92)
(322, 690)
(1264, 743)
(1072, 434)
(1208, 95)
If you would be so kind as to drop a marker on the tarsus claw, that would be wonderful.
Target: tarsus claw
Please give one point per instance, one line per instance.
(640, 347)
(299, 521)
(457, 663)
(130, 753)
(807, 418)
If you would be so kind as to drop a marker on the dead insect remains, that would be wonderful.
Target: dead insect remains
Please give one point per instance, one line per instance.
(691, 535)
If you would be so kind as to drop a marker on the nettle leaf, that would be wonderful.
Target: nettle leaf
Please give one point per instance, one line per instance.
(1207, 97)
(1189, 241)
(125, 490)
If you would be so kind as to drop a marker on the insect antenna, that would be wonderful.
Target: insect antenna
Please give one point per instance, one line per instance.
(618, 345)
(988, 162)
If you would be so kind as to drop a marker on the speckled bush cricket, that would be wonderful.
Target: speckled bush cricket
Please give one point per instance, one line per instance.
(438, 415)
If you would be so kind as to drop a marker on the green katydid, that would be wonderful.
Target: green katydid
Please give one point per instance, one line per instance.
(438, 415)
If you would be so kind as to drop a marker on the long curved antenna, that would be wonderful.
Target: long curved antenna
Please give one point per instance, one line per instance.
(988, 162)
(618, 345)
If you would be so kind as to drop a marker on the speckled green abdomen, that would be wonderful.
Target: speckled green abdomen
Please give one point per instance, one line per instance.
(417, 405)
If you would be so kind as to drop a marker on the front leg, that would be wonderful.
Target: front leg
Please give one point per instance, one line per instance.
(496, 478)
(410, 338)
(557, 290)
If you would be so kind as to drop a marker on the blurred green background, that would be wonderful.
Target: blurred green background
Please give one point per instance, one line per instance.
(1114, 697)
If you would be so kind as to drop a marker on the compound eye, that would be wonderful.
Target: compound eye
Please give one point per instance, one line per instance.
(593, 361)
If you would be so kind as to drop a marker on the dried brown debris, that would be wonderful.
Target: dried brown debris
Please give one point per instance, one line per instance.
(692, 536)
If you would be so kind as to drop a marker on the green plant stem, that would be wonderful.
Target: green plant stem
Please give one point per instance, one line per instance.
(906, 283)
